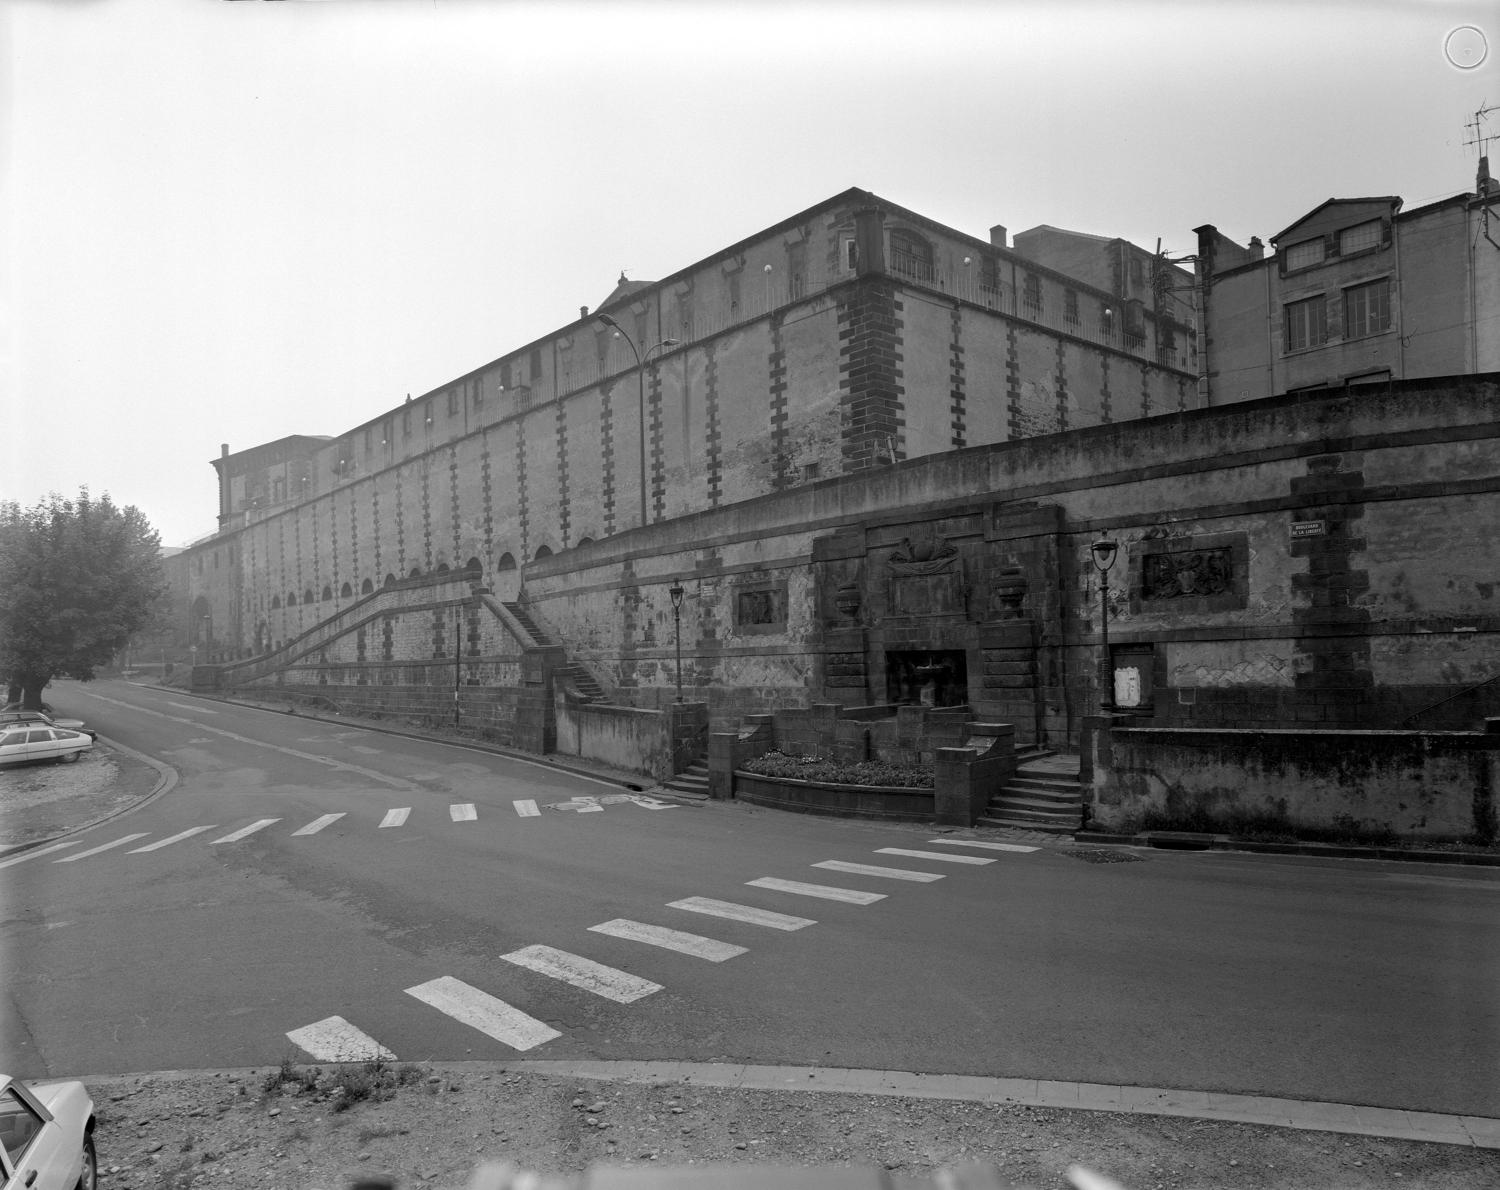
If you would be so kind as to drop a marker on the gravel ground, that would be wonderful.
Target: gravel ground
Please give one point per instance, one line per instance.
(41, 800)
(293, 1128)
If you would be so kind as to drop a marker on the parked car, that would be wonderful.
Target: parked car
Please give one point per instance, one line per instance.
(21, 743)
(47, 1136)
(14, 714)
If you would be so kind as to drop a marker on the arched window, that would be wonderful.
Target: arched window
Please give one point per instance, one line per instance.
(416, 572)
(275, 603)
(366, 587)
(506, 562)
(307, 595)
(328, 592)
(442, 568)
(291, 599)
(542, 552)
(390, 580)
(911, 255)
(473, 566)
(583, 541)
(346, 590)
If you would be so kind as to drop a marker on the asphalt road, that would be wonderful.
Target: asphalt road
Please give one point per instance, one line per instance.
(1351, 981)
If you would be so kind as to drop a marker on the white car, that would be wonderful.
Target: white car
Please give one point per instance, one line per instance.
(47, 1136)
(24, 742)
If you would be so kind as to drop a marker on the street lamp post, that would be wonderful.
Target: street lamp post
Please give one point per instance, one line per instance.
(458, 615)
(640, 369)
(676, 592)
(1103, 553)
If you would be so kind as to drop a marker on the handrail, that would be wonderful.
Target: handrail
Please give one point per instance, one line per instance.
(1452, 697)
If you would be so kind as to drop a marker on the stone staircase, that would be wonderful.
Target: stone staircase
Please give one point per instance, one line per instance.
(583, 681)
(1043, 795)
(538, 637)
(691, 782)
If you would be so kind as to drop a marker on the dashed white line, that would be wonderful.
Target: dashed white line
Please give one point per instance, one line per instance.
(182, 706)
(694, 944)
(67, 859)
(947, 859)
(479, 1010)
(838, 865)
(317, 824)
(396, 817)
(170, 839)
(336, 1040)
(982, 843)
(40, 851)
(826, 892)
(745, 913)
(245, 831)
(608, 982)
(463, 812)
(526, 808)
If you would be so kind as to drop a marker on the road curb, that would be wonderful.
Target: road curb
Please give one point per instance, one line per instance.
(1187, 841)
(1481, 1132)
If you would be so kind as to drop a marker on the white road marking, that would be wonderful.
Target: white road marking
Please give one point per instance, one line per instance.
(651, 803)
(947, 859)
(745, 913)
(336, 1040)
(479, 1010)
(694, 944)
(983, 844)
(170, 839)
(40, 851)
(526, 808)
(396, 817)
(594, 809)
(608, 982)
(463, 812)
(182, 706)
(827, 892)
(317, 824)
(838, 865)
(67, 859)
(245, 831)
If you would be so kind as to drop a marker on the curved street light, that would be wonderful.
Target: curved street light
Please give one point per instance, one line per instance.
(1103, 553)
(640, 370)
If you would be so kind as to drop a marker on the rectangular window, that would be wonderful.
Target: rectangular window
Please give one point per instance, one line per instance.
(1033, 292)
(453, 402)
(1306, 323)
(1070, 305)
(1367, 309)
(504, 375)
(989, 271)
(1304, 255)
(1359, 237)
(734, 291)
(534, 366)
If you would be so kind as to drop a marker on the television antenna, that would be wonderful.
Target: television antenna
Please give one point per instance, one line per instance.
(1478, 136)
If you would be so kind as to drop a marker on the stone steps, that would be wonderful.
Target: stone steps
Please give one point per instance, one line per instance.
(1044, 794)
(691, 782)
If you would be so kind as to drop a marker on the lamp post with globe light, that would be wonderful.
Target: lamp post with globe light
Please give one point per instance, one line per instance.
(641, 360)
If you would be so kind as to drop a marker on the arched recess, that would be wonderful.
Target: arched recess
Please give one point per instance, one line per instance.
(275, 603)
(507, 561)
(542, 552)
(416, 572)
(291, 599)
(390, 580)
(307, 595)
(474, 567)
(583, 541)
(442, 568)
(346, 590)
(328, 592)
(367, 587)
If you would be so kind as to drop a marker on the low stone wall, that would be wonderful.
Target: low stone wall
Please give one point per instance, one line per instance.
(1431, 785)
(846, 801)
(656, 743)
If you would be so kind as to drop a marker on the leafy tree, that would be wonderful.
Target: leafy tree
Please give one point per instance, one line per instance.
(77, 578)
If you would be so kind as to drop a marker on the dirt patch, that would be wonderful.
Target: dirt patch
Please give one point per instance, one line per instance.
(301, 1128)
(41, 801)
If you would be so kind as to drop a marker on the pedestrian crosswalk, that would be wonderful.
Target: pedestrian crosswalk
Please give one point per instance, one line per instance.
(335, 1039)
(394, 818)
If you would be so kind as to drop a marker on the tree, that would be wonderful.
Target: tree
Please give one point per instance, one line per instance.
(77, 578)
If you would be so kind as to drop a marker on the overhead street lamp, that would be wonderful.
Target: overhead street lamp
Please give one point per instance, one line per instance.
(640, 367)
(676, 592)
(1103, 553)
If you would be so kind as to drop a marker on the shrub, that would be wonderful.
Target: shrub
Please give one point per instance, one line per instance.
(841, 772)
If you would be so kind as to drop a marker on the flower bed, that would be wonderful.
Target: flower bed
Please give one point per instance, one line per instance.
(842, 789)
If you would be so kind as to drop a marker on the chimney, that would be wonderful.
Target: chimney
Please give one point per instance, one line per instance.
(223, 450)
(1483, 183)
(998, 236)
(1257, 249)
(583, 311)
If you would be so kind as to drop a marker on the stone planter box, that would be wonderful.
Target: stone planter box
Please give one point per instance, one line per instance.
(892, 803)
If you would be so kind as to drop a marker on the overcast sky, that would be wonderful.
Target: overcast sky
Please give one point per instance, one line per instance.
(230, 222)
